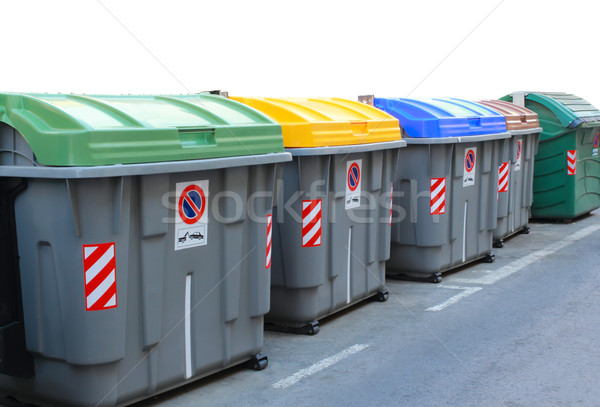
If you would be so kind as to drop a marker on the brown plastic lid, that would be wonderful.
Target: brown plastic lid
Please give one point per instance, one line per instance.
(517, 117)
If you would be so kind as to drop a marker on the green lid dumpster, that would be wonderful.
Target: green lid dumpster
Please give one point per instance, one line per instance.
(515, 174)
(127, 270)
(566, 182)
(331, 230)
(446, 185)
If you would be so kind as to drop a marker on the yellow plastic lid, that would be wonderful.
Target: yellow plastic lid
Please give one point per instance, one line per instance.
(323, 122)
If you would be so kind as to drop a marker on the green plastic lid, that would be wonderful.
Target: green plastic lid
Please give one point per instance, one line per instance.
(82, 130)
(570, 110)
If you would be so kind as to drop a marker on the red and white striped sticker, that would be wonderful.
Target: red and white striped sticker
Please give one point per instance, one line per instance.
(100, 275)
(269, 238)
(437, 203)
(503, 171)
(571, 162)
(391, 203)
(311, 223)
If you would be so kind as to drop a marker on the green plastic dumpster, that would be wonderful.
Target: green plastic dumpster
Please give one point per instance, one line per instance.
(125, 236)
(567, 166)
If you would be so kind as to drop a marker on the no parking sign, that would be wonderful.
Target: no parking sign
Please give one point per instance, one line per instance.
(191, 228)
(470, 166)
(353, 177)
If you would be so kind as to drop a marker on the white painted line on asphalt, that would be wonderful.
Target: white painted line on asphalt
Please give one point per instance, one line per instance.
(453, 300)
(493, 276)
(317, 367)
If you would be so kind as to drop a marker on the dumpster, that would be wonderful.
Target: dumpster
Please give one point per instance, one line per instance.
(128, 267)
(566, 182)
(331, 220)
(446, 185)
(515, 176)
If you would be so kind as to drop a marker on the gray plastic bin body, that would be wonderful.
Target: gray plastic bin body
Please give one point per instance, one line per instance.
(514, 206)
(425, 245)
(180, 314)
(348, 266)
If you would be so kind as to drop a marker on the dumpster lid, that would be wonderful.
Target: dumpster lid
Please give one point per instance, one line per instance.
(570, 110)
(517, 117)
(86, 130)
(323, 122)
(442, 117)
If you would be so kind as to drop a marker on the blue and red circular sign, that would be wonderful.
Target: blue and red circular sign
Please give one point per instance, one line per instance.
(518, 149)
(470, 160)
(353, 176)
(192, 203)
(596, 140)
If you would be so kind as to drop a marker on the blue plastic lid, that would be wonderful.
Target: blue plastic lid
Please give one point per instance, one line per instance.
(445, 117)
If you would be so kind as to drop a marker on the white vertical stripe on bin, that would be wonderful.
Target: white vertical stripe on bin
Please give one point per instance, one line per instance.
(188, 339)
(348, 268)
(464, 251)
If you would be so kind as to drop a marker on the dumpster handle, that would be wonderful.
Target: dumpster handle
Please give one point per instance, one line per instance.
(557, 136)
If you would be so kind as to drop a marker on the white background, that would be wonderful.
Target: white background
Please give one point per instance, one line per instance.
(308, 48)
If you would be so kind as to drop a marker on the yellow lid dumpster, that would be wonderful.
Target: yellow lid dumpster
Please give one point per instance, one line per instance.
(332, 215)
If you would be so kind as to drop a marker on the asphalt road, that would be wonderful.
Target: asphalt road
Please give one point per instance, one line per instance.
(522, 331)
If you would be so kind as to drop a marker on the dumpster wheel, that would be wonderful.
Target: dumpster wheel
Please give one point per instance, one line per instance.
(490, 257)
(258, 362)
(311, 328)
(382, 295)
(498, 244)
(525, 230)
(432, 278)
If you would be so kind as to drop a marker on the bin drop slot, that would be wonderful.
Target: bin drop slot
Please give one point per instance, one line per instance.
(359, 128)
(474, 122)
(190, 138)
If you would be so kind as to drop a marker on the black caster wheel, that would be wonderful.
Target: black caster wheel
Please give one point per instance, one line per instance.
(312, 328)
(498, 244)
(382, 295)
(525, 230)
(490, 257)
(258, 362)
(433, 278)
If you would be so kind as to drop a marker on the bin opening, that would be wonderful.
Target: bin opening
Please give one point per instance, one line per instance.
(474, 122)
(196, 137)
(359, 128)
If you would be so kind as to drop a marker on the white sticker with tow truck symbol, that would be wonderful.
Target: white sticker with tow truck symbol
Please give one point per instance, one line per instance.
(191, 224)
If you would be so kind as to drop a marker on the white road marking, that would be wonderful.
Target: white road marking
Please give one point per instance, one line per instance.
(454, 299)
(493, 276)
(317, 367)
